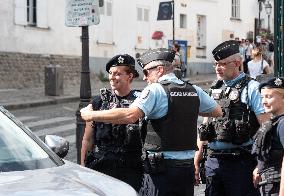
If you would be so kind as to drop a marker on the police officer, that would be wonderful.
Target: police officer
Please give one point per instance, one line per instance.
(269, 140)
(119, 145)
(172, 107)
(229, 165)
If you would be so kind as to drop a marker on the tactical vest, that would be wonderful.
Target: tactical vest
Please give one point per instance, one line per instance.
(118, 138)
(238, 123)
(176, 131)
(267, 145)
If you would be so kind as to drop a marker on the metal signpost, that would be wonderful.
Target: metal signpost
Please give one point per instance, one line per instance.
(82, 13)
(278, 38)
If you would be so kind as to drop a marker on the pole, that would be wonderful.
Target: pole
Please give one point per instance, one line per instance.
(268, 27)
(259, 10)
(85, 90)
(173, 21)
(279, 38)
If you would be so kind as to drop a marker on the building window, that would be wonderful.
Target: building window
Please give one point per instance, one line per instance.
(142, 14)
(109, 9)
(201, 37)
(236, 9)
(182, 21)
(139, 14)
(201, 31)
(106, 9)
(31, 13)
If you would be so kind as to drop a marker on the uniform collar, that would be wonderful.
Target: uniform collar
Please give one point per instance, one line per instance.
(170, 77)
(235, 80)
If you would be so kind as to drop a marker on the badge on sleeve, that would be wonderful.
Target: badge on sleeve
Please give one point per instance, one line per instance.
(234, 95)
(144, 94)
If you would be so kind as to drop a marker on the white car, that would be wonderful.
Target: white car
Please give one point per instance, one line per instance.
(30, 167)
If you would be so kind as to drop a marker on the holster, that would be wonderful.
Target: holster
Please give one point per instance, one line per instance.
(155, 163)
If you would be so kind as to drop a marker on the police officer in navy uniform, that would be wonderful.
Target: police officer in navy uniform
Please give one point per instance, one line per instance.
(229, 164)
(119, 145)
(172, 107)
(269, 140)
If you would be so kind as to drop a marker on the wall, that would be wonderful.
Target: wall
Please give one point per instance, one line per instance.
(19, 70)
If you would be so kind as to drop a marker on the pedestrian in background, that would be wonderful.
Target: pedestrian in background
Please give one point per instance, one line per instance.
(269, 140)
(177, 62)
(248, 49)
(119, 146)
(172, 107)
(229, 164)
(258, 65)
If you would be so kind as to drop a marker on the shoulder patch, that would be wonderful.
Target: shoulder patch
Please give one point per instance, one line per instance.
(144, 94)
(137, 93)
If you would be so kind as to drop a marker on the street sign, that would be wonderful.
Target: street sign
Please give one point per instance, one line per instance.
(82, 13)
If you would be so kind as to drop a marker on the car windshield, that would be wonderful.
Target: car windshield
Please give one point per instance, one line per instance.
(18, 151)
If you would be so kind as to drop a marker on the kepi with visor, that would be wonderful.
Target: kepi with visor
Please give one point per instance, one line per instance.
(225, 50)
(155, 55)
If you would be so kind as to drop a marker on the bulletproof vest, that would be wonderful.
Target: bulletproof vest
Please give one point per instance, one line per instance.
(267, 145)
(177, 129)
(238, 123)
(118, 137)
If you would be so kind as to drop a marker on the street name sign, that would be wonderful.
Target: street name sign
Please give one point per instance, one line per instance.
(82, 13)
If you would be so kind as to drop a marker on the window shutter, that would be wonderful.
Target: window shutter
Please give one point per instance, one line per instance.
(41, 13)
(20, 12)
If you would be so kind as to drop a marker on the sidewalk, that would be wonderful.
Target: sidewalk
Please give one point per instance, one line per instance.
(23, 98)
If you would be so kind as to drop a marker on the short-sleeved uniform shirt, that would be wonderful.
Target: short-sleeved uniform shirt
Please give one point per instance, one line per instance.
(153, 101)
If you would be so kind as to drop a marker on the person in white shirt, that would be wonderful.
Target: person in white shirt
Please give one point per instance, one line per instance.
(257, 65)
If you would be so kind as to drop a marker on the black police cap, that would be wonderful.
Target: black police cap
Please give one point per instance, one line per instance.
(155, 55)
(274, 82)
(122, 60)
(226, 49)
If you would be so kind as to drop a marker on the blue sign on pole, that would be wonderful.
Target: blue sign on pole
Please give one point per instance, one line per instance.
(183, 48)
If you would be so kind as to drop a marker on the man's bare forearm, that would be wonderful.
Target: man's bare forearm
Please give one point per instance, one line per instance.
(115, 116)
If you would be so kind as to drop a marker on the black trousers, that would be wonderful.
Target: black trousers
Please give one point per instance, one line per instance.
(130, 171)
(230, 176)
(177, 180)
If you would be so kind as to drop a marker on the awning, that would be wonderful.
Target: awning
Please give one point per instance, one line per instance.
(157, 35)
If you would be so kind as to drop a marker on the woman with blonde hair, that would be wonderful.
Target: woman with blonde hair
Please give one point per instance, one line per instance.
(258, 65)
(269, 140)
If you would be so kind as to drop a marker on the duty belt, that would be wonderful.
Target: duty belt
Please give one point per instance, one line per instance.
(177, 163)
(236, 152)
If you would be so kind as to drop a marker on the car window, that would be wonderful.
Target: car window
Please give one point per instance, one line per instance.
(18, 151)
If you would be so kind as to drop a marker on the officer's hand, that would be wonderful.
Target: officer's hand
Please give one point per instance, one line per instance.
(256, 177)
(87, 113)
(196, 174)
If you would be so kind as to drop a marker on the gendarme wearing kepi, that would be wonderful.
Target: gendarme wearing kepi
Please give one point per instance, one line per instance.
(273, 83)
(155, 55)
(123, 60)
(225, 50)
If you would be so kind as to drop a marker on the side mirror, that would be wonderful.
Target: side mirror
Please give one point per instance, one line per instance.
(57, 144)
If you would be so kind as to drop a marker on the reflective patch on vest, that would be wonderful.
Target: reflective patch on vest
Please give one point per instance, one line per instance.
(183, 94)
(136, 93)
(234, 95)
(216, 94)
(144, 94)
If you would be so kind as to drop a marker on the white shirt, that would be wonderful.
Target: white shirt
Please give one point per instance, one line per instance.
(255, 68)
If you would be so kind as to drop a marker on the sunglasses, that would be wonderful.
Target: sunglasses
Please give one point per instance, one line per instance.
(146, 71)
